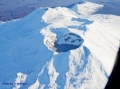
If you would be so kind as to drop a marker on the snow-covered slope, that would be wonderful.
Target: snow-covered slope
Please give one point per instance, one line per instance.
(59, 48)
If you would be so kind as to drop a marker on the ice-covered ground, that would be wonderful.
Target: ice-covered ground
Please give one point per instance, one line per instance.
(32, 54)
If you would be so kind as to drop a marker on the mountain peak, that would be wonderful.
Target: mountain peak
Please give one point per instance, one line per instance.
(59, 48)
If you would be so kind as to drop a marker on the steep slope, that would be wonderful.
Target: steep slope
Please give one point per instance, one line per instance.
(105, 27)
(58, 48)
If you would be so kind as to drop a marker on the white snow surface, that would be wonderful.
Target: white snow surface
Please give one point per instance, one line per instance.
(28, 48)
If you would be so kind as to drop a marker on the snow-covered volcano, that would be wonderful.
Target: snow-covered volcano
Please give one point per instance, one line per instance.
(59, 48)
